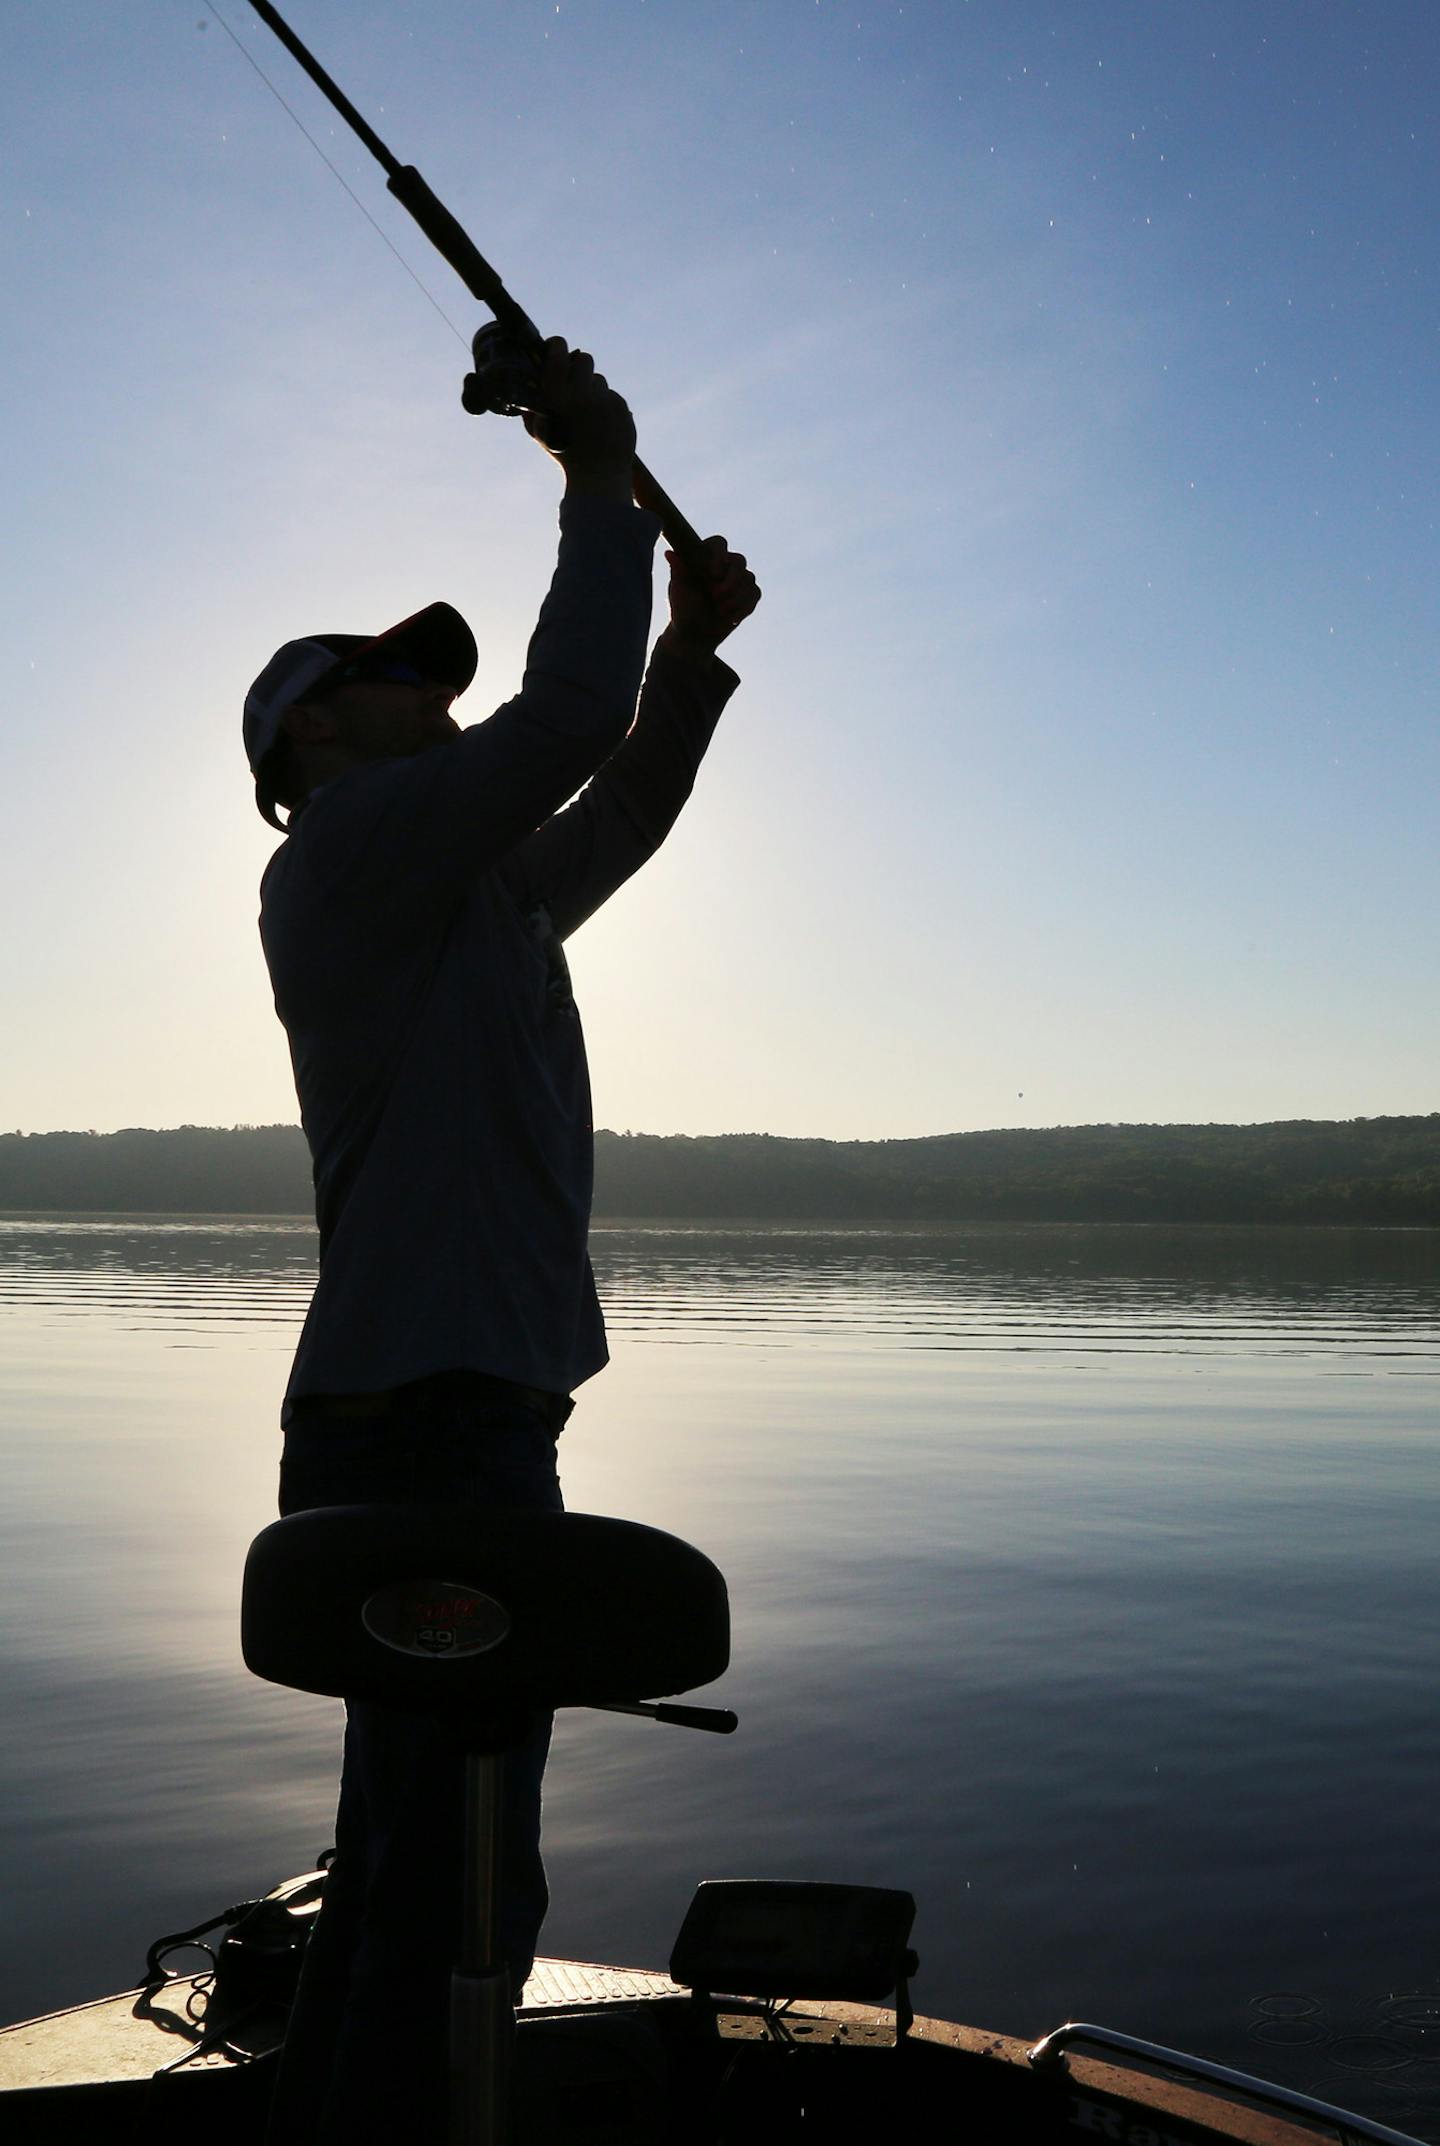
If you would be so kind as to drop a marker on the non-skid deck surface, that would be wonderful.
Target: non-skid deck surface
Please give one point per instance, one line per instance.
(556, 1984)
(141, 2032)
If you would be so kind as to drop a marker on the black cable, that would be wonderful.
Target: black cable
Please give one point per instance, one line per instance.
(154, 1972)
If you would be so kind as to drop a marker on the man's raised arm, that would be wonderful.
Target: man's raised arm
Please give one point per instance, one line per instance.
(421, 827)
(577, 859)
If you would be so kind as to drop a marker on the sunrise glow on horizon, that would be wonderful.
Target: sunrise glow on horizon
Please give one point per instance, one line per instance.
(1066, 373)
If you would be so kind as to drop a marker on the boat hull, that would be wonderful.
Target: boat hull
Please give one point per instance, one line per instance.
(620, 2057)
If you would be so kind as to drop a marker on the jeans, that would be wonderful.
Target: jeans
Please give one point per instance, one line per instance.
(365, 2053)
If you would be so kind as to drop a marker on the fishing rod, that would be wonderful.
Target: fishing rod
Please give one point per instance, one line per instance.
(507, 350)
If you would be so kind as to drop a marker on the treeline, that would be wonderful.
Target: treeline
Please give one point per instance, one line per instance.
(194, 1169)
(1360, 1170)
(1363, 1170)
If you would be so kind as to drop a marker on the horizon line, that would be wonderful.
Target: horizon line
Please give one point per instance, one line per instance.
(824, 1139)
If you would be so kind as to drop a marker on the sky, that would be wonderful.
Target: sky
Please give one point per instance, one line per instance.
(1066, 369)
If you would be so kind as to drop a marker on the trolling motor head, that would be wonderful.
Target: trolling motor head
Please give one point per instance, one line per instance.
(506, 379)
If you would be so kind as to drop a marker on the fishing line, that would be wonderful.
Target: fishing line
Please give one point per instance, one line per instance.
(509, 344)
(462, 340)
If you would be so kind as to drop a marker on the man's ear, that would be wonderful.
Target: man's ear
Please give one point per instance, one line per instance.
(309, 722)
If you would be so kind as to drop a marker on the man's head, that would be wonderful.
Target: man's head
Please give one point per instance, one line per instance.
(335, 700)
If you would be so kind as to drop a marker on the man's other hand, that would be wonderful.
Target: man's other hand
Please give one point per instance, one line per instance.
(586, 426)
(704, 609)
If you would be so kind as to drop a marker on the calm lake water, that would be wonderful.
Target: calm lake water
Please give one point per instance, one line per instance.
(1084, 1579)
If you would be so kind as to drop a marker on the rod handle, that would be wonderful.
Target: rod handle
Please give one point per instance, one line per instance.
(679, 534)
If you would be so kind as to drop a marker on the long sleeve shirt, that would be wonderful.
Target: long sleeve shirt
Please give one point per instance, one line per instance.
(413, 923)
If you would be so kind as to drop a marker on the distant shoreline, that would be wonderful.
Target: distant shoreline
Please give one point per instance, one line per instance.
(1358, 1172)
(813, 1225)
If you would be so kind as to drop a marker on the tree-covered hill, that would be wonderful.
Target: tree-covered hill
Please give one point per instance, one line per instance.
(1359, 1170)
(194, 1169)
(1373, 1170)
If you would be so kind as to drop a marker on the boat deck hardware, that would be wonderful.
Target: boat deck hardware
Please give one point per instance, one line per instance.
(774, 1940)
(1049, 2054)
(478, 1615)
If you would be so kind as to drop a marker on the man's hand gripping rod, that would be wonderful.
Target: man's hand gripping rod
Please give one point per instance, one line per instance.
(506, 351)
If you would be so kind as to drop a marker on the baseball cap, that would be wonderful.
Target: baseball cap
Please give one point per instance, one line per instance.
(436, 640)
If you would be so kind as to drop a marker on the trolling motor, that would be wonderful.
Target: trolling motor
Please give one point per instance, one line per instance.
(506, 352)
(551, 1609)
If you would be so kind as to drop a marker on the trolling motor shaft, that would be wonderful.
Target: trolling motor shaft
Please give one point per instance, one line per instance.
(512, 353)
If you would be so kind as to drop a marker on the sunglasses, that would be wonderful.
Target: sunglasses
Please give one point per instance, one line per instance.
(385, 670)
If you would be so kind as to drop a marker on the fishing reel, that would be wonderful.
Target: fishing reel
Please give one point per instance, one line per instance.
(506, 379)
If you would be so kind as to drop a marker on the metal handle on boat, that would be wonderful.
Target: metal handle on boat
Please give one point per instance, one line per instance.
(1047, 2053)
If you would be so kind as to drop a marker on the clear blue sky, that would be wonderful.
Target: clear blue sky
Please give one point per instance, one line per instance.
(1068, 370)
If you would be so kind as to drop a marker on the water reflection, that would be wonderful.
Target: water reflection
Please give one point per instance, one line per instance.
(191, 1276)
(1083, 1583)
(1077, 1288)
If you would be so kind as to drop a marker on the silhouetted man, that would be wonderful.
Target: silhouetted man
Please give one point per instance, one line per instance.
(413, 922)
